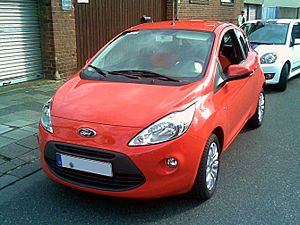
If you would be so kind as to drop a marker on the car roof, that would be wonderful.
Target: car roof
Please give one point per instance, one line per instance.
(200, 25)
(287, 21)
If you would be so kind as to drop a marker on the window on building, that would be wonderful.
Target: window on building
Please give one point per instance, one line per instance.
(227, 2)
(202, 2)
(252, 11)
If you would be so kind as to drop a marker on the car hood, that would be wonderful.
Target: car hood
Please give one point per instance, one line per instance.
(121, 104)
(263, 49)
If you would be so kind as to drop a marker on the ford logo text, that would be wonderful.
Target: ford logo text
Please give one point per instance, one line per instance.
(86, 132)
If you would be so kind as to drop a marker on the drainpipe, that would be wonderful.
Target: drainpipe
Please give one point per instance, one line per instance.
(177, 9)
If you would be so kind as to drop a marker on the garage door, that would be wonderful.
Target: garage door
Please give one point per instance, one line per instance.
(100, 20)
(20, 45)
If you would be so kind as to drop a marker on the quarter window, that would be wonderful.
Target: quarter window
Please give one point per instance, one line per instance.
(243, 42)
(295, 33)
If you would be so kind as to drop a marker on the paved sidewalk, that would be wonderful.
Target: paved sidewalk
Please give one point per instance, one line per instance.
(20, 110)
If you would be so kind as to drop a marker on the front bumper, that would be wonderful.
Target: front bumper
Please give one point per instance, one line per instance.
(274, 69)
(126, 175)
(139, 172)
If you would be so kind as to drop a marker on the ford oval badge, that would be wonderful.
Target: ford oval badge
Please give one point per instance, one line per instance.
(86, 132)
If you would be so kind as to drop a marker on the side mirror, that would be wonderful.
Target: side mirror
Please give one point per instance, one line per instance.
(87, 61)
(237, 72)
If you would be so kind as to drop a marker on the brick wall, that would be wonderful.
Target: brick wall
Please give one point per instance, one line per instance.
(207, 10)
(58, 40)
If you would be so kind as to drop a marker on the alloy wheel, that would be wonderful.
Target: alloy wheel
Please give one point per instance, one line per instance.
(261, 107)
(212, 166)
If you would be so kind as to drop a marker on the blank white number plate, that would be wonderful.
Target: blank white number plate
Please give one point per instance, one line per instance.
(86, 165)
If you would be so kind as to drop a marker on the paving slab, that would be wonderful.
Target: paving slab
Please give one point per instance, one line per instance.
(34, 130)
(6, 103)
(4, 128)
(10, 165)
(10, 109)
(30, 156)
(39, 96)
(17, 134)
(36, 106)
(18, 123)
(26, 170)
(13, 150)
(27, 115)
(5, 141)
(34, 125)
(7, 180)
(29, 142)
(2, 160)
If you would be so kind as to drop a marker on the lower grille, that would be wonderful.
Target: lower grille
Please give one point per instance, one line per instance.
(126, 175)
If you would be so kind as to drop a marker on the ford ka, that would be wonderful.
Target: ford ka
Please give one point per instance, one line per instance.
(150, 114)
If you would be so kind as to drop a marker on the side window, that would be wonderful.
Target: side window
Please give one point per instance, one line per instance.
(243, 42)
(230, 50)
(295, 32)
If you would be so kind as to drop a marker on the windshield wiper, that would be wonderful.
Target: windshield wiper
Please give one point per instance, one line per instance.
(98, 70)
(123, 74)
(260, 43)
(146, 73)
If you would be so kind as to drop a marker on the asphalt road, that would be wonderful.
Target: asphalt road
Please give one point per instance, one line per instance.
(259, 184)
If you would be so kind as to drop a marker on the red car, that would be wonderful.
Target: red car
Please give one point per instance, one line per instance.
(149, 115)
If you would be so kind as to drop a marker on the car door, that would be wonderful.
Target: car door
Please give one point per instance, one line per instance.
(239, 94)
(295, 36)
(251, 60)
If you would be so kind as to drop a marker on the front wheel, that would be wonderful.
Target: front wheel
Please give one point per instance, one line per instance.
(207, 176)
(257, 119)
(281, 86)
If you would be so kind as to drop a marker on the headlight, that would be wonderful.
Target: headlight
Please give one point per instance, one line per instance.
(268, 58)
(165, 129)
(46, 116)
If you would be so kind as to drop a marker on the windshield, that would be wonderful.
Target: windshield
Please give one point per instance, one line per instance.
(179, 54)
(266, 33)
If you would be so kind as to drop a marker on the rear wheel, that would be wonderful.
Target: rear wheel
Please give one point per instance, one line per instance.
(207, 176)
(281, 86)
(257, 119)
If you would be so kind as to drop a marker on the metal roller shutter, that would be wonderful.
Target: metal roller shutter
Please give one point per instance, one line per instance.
(20, 44)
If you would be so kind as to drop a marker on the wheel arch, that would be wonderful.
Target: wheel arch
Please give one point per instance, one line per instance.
(218, 131)
(289, 65)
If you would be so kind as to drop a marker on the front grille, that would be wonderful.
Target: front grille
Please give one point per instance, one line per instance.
(126, 175)
(77, 151)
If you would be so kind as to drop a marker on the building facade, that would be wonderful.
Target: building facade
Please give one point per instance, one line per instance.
(54, 38)
(272, 9)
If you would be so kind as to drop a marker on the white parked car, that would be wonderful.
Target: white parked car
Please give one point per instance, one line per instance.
(277, 42)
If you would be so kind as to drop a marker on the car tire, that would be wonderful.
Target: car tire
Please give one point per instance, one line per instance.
(281, 86)
(257, 119)
(205, 184)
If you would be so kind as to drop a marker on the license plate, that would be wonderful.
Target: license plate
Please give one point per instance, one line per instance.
(85, 165)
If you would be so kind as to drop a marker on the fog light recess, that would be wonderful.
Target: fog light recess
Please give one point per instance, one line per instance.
(269, 76)
(172, 162)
